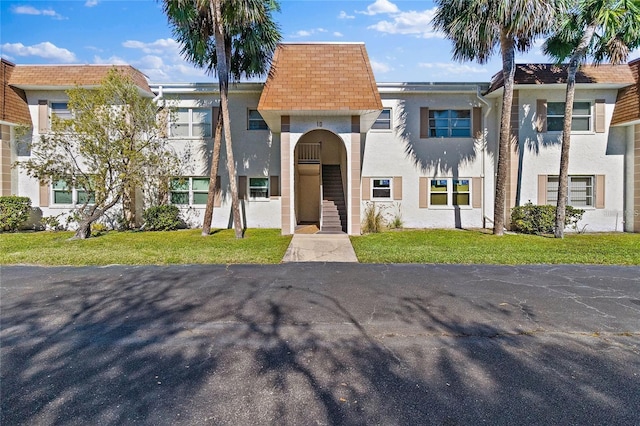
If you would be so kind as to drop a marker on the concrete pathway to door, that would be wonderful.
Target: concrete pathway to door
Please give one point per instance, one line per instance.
(320, 248)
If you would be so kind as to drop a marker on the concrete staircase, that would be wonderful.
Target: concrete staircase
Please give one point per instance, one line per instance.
(334, 208)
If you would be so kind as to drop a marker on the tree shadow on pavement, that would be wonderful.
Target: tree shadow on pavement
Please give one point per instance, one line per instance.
(298, 345)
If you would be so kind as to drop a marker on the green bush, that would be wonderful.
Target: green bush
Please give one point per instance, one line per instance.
(531, 219)
(98, 229)
(14, 211)
(162, 218)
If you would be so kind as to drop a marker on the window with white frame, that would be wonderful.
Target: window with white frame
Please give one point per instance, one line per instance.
(191, 123)
(449, 192)
(581, 120)
(258, 187)
(255, 121)
(381, 188)
(580, 191)
(449, 123)
(65, 195)
(383, 122)
(61, 110)
(189, 191)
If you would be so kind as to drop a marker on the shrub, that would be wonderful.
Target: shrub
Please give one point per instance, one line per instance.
(396, 221)
(98, 229)
(14, 211)
(162, 218)
(52, 223)
(373, 219)
(531, 219)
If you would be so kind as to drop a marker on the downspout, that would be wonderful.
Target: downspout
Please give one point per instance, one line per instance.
(484, 147)
(159, 95)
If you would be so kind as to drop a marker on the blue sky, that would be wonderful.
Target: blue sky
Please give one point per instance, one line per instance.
(401, 43)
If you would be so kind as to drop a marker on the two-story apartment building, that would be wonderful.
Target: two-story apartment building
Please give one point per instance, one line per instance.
(320, 141)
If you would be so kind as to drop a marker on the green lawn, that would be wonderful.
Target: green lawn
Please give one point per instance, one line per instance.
(475, 246)
(268, 246)
(143, 248)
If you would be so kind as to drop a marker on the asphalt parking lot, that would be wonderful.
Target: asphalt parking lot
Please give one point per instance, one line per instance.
(322, 343)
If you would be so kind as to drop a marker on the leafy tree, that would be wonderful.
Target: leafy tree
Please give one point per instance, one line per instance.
(112, 145)
(231, 39)
(476, 27)
(601, 29)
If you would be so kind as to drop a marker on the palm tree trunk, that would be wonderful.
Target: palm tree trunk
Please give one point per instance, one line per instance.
(223, 77)
(563, 177)
(508, 72)
(213, 175)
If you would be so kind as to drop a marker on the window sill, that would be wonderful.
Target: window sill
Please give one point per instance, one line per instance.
(450, 208)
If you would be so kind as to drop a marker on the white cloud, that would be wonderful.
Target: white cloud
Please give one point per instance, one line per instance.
(454, 68)
(379, 7)
(412, 23)
(46, 50)
(30, 10)
(160, 46)
(113, 60)
(91, 3)
(380, 67)
(307, 33)
(338, 34)
(345, 15)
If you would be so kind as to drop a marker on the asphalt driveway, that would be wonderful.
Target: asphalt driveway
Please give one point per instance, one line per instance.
(302, 344)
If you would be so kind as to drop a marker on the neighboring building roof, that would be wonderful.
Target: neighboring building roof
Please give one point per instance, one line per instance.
(14, 108)
(628, 103)
(66, 76)
(533, 74)
(320, 77)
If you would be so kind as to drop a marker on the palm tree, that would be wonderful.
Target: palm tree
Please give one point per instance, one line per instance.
(604, 30)
(228, 38)
(476, 27)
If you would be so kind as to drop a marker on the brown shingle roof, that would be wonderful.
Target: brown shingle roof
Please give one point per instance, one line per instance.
(320, 77)
(71, 75)
(14, 107)
(628, 102)
(557, 74)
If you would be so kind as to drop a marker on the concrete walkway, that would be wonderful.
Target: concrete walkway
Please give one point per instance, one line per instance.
(320, 248)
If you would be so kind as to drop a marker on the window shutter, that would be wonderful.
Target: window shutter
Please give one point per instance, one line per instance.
(476, 196)
(542, 190)
(541, 109)
(600, 117)
(274, 186)
(397, 188)
(477, 123)
(422, 197)
(242, 187)
(44, 194)
(43, 116)
(366, 188)
(424, 122)
(599, 192)
(217, 200)
(163, 122)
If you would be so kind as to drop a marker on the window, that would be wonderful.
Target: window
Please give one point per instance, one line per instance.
(256, 122)
(189, 190)
(450, 123)
(61, 110)
(581, 116)
(191, 123)
(62, 194)
(381, 189)
(259, 187)
(384, 120)
(450, 192)
(579, 194)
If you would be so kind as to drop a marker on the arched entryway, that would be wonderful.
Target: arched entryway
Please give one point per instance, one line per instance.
(320, 181)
